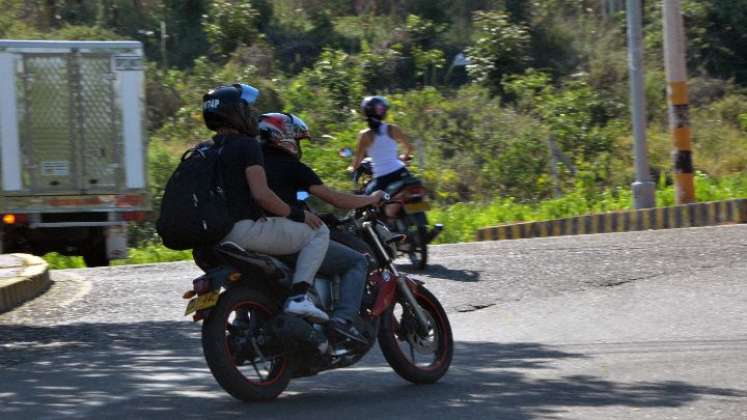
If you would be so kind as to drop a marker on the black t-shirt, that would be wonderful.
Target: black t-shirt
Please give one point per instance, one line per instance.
(238, 153)
(287, 175)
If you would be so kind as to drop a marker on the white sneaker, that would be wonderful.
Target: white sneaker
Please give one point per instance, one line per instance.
(302, 306)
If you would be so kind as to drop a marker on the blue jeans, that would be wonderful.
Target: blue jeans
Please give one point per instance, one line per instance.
(352, 268)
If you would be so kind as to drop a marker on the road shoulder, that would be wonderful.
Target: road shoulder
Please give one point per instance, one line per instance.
(22, 277)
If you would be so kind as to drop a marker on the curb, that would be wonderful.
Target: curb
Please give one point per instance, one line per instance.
(31, 280)
(687, 215)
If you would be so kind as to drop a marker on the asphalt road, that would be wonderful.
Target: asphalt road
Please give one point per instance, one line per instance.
(619, 326)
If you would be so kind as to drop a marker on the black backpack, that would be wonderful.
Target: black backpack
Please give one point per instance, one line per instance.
(194, 210)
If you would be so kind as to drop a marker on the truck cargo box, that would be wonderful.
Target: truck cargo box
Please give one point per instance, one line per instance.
(71, 118)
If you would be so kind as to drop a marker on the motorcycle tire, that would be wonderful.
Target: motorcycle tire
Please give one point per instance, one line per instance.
(223, 364)
(417, 231)
(394, 332)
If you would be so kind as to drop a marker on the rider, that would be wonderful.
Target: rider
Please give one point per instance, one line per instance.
(229, 111)
(281, 134)
(379, 141)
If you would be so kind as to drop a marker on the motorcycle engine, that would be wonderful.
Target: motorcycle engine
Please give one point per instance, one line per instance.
(295, 333)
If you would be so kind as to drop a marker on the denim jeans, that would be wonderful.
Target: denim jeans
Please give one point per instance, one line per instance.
(352, 267)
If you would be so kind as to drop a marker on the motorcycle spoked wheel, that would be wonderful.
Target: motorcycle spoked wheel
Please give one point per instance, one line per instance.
(232, 353)
(416, 229)
(420, 359)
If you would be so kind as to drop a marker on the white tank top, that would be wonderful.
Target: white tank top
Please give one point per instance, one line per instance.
(383, 153)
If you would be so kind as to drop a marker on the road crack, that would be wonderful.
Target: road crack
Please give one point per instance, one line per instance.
(473, 307)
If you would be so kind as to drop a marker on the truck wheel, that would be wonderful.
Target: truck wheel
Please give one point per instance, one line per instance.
(96, 256)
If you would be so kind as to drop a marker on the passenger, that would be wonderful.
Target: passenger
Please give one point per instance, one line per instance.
(229, 111)
(281, 135)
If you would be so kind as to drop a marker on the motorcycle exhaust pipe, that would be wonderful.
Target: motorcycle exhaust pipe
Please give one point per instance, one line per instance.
(437, 228)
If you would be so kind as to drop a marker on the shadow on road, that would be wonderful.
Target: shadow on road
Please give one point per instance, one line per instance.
(156, 370)
(441, 272)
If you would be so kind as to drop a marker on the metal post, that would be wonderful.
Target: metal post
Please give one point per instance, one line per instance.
(643, 187)
(421, 153)
(553, 167)
(679, 115)
(164, 60)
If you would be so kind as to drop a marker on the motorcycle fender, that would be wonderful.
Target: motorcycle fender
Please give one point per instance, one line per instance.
(387, 291)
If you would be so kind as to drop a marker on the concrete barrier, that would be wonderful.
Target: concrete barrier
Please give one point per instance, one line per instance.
(22, 277)
(688, 215)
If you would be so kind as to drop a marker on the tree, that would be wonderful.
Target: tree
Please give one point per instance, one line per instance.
(499, 49)
(230, 23)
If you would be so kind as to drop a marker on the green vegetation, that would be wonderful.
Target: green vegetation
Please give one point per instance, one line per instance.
(463, 219)
(542, 82)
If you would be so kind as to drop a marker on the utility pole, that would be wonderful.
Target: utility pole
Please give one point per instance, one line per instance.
(679, 114)
(164, 59)
(643, 188)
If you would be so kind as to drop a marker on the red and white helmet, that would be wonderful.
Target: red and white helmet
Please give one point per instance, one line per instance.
(283, 131)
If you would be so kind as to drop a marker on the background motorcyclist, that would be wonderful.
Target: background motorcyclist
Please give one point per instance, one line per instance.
(379, 141)
(281, 135)
(228, 110)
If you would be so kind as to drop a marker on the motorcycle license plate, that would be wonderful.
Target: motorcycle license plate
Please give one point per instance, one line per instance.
(208, 300)
(417, 207)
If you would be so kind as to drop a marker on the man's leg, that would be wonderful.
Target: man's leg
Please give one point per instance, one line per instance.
(352, 268)
(280, 236)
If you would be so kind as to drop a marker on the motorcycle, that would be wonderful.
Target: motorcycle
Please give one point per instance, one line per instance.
(409, 218)
(253, 349)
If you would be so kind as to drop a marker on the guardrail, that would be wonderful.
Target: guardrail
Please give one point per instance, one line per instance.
(688, 215)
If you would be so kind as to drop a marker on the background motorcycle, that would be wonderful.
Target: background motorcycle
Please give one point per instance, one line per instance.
(254, 350)
(410, 201)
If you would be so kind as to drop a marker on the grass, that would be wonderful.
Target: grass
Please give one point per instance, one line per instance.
(463, 219)
(151, 253)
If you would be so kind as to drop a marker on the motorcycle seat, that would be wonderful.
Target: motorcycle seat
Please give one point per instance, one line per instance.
(253, 261)
(397, 186)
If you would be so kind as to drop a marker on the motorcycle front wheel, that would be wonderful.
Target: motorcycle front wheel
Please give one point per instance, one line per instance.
(421, 357)
(233, 352)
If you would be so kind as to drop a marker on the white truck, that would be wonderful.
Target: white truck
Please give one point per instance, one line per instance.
(72, 147)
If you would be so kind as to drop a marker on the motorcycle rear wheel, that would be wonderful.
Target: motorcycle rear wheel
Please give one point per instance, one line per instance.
(399, 340)
(416, 229)
(236, 371)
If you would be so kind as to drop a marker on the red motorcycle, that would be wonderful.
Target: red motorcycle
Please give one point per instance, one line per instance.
(253, 349)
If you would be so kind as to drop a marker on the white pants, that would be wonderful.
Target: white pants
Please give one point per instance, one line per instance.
(281, 236)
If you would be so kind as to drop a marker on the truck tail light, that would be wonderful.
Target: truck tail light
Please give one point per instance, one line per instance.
(15, 219)
(133, 216)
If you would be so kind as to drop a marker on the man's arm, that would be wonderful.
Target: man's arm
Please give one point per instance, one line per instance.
(268, 200)
(344, 200)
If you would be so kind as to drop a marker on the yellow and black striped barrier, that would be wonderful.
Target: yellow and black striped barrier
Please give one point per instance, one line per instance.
(687, 215)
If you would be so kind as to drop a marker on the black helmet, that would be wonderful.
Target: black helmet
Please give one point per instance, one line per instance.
(374, 108)
(229, 106)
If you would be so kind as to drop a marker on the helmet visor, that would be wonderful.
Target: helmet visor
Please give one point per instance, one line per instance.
(249, 93)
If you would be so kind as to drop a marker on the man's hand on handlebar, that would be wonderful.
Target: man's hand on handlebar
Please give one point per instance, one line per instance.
(378, 198)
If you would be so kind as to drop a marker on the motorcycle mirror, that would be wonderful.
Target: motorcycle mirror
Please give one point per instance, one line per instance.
(346, 153)
(302, 195)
